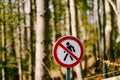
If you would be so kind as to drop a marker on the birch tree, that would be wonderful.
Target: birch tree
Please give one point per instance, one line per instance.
(108, 27)
(29, 25)
(67, 18)
(118, 19)
(40, 28)
(98, 42)
(74, 33)
(23, 30)
(101, 32)
(4, 42)
(17, 39)
(73, 17)
(4, 57)
(52, 22)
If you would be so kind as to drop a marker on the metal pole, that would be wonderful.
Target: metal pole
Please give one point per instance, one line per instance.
(68, 74)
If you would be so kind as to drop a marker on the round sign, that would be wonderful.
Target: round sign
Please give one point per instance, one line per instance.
(68, 51)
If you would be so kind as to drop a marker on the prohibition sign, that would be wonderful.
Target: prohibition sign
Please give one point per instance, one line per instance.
(68, 51)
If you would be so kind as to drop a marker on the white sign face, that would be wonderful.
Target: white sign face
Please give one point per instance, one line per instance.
(64, 56)
(68, 51)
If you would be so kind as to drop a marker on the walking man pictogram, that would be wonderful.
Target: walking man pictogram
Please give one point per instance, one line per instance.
(71, 48)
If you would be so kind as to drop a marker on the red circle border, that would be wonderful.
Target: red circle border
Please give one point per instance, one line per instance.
(56, 46)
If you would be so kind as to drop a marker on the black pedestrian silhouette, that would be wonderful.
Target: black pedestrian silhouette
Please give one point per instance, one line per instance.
(71, 48)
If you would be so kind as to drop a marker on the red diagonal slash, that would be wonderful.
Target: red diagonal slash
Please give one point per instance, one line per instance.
(68, 51)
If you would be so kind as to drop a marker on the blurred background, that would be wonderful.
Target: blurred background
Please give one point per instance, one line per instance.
(30, 28)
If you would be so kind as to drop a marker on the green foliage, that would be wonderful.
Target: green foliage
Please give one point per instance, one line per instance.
(117, 50)
(82, 5)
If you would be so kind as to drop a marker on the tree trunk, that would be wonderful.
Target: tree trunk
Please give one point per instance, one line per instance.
(18, 52)
(74, 33)
(4, 69)
(67, 18)
(118, 20)
(39, 72)
(17, 39)
(73, 18)
(108, 27)
(101, 33)
(108, 32)
(53, 22)
(4, 57)
(29, 25)
(103, 43)
(97, 55)
(57, 18)
(22, 29)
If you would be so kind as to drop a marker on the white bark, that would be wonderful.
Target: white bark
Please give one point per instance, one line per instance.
(18, 52)
(67, 19)
(3, 41)
(52, 22)
(28, 25)
(117, 11)
(108, 27)
(39, 40)
(118, 20)
(17, 38)
(95, 12)
(73, 19)
(113, 6)
(23, 32)
(74, 33)
(3, 52)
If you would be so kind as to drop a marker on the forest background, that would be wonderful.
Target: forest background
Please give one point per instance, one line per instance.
(30, 28)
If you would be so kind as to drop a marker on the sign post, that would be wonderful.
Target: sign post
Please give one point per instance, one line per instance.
(68, 52)
(68, 74)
